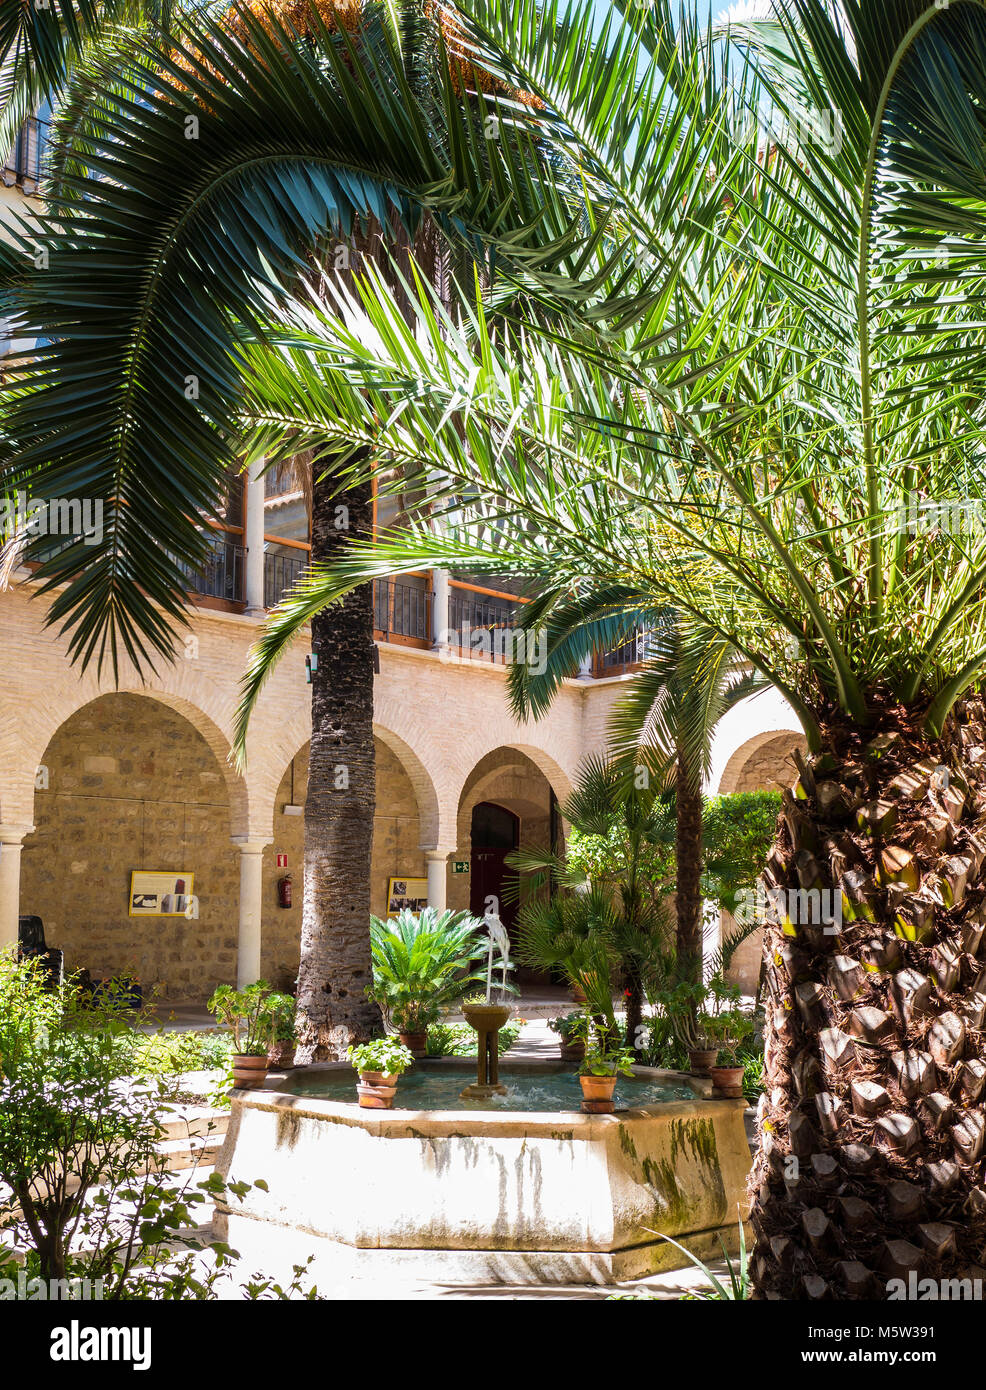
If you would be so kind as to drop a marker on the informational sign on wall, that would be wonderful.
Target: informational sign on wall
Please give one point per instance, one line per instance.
(460, 866)
(406, 892)
(155, 894)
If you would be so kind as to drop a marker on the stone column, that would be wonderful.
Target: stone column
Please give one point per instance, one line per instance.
(437, 860)
(255, 540)
(11, 837)
(251, 909)
(439, 609)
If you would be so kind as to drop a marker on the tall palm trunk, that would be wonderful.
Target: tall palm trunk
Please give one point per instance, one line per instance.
(688, 855)
(332, 1008)
(873, 1126)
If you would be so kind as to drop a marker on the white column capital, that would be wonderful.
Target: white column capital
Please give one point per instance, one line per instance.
(251, 844)
(13, 832)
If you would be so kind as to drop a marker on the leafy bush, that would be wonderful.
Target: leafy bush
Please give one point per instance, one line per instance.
(169, 1053)
(257, 1015)
(423, 964)
(658, 1044)
(381, 1054)
(459, 1040)
(79, 1138)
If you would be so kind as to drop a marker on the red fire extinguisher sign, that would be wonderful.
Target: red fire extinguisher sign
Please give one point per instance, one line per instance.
(282, 861)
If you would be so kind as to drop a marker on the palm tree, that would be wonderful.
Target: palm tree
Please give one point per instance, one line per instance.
(663, 727)
(632, 816)
(251, 146)
(771, 427)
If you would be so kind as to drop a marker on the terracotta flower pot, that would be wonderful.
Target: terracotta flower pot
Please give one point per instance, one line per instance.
(728, 1081)
(577, 995)
(702, 1060)
(597, 1094)
(572, 1051)
(379, 1078)
(376, 1090)
(415, 1042)
(249, 1072)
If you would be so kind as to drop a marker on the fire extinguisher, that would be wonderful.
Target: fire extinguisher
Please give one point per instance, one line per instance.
(284, 891)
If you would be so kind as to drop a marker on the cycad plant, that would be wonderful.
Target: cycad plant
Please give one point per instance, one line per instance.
(423, 964)
(772, 420)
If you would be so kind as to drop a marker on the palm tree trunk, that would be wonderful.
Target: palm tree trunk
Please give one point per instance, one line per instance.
(688, 853)
(332, 1008)
(872, 1126)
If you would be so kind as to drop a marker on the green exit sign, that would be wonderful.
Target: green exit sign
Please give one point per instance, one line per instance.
(460, 866)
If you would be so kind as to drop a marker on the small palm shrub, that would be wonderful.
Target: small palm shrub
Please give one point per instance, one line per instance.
(423, 964)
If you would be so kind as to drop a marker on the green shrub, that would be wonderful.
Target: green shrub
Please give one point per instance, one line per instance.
(423, 965)
(459, 1040)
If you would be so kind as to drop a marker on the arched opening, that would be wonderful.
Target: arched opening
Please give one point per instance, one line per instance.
(127, 785)
(764, 763)
(507, 803)
(494, 834)
(397, 854)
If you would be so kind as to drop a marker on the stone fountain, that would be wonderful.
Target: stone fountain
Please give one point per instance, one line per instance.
(489, 1017)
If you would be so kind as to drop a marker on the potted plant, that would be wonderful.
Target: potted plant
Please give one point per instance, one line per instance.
(380, 1063)
(422, 966)
(253, 1015)
(282, 1049)
(571, 1035)
(598, 1074)
(684, 1005)
(730, 1028)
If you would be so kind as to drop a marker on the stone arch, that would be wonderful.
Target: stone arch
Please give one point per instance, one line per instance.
(760, 722)
(27, 731)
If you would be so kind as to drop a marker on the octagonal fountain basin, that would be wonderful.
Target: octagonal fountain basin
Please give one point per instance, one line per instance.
(517, 1189)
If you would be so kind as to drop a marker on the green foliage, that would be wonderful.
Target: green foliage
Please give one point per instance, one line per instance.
(78, 1149)
(601, 1060)
(258, 1016)
(570, 1027)
(423, 964)
(753, 1073)
(381, 1054)
(739, 1285)
(459, 1040)
(659, 1045)
(162, 1054)
(738, 831)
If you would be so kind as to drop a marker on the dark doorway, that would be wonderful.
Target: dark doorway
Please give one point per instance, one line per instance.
(495, 832)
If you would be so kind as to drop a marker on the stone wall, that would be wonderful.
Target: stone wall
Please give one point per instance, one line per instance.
(396, 853)
(131, 785)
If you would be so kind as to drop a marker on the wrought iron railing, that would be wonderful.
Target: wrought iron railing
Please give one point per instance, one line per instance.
(223, 573)
(622, 658)
(401, 610)
(280, 574)
(481, 625)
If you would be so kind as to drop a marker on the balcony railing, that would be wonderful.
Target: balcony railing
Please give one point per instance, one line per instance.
(401, 611)
(223, 573)
(280, 574)
(482, 625)
(279, 481)
(623, 658)
(27, 161)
